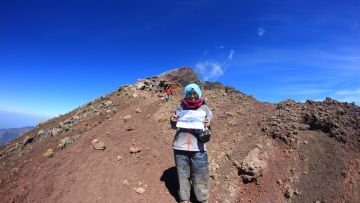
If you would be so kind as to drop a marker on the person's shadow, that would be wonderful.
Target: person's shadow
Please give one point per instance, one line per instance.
(170, 178)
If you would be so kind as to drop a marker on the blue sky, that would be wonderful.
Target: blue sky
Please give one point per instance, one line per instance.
(58, 55)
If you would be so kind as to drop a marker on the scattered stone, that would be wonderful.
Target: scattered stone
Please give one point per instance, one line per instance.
(41, 133)
(119, 157)
(135, 149)
(126, 118)
(129, 128)
(126, 182)
(252, 167)
(49, 153)
(54, 132)
(27, 140)
(343, 173)
(11, 149)
(138, 110)
(140, 190)
(98, 145)
(107, 103)
(140, 85)
(289, 192)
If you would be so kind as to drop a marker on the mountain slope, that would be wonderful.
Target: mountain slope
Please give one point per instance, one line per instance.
(257, 153)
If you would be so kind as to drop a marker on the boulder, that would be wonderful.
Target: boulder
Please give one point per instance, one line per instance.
(135, 149)
(27, 140)
(107, 103)
(140, 85)
(54, 132)
(140, 190)
(252, 167)
(41, 133)
(183, 76)
(126, 118)
(98, 145)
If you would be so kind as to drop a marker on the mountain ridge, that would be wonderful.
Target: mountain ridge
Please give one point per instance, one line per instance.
(284, 152)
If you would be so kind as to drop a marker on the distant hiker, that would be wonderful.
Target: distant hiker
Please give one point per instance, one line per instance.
(168, 93)
(192, 118)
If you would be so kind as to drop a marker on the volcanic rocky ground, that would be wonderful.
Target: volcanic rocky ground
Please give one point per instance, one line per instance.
(117, 148)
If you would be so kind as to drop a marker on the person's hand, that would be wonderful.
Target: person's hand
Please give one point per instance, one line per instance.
(207, 122)
(174, 118)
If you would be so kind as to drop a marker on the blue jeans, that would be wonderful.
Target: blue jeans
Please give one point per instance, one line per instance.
(192, 166)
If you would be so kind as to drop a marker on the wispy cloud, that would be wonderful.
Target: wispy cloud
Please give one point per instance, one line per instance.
(308, 90)
(301, 74)
(209, 70)
(352, 95)
(348, 92)
(232, 52)
(350, 99)
(213, 64)
(261, 31)
(287, 59)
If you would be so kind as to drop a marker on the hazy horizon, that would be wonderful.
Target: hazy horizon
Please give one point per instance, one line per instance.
(19, 120)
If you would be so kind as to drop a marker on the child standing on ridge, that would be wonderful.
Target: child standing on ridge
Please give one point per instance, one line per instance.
(190, 153)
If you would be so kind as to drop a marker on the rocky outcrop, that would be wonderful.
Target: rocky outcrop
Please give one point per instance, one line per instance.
(253, 166)
(340, 120)
(183, 76)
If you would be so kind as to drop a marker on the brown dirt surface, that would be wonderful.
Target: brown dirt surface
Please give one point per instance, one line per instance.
(301, 152)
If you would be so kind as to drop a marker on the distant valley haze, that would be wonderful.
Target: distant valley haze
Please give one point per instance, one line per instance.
(9, 134)
(19, 120)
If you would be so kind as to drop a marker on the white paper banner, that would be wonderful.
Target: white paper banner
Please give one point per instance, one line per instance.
(191, 119)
